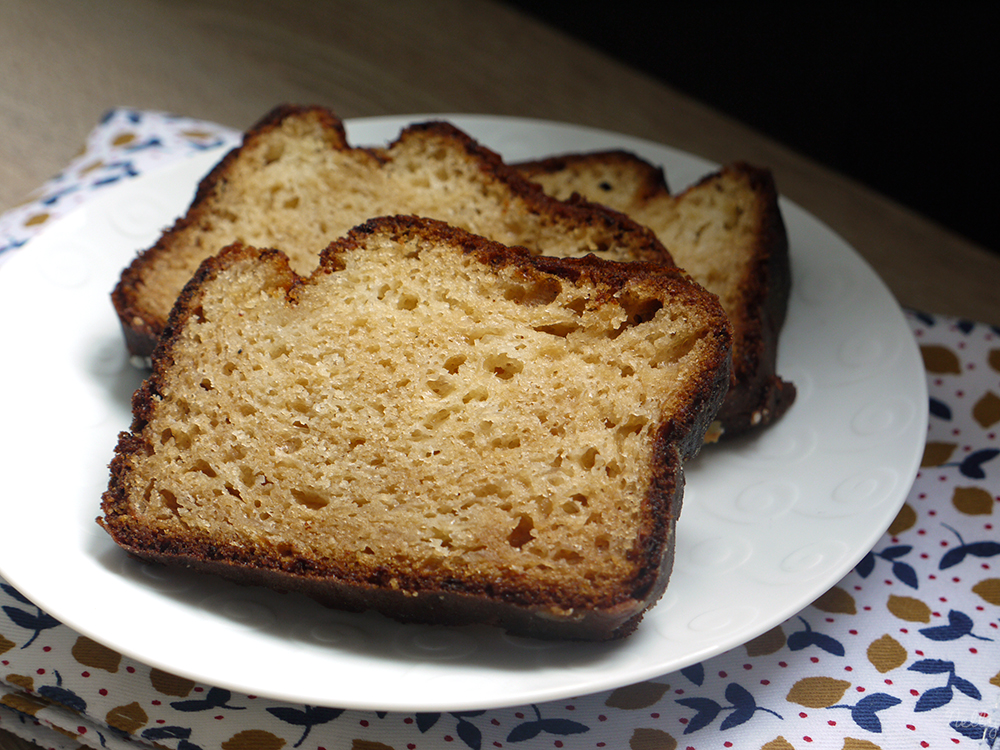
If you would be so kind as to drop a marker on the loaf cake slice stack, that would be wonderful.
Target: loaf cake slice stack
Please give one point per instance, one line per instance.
(727, 232)
(430, 424)
(295, 183)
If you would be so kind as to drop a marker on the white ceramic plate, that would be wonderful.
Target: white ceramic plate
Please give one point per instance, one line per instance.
(768, 524)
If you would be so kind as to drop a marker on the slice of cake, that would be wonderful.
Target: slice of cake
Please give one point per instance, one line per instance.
(728, 233)
(433, 425)
(295, 183)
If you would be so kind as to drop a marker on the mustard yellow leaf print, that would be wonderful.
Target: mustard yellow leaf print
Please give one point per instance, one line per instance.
(128, 718)
(972, 501)
(369, 745)
(817, 692)
(26, 704)
(886, 654)
(836, 601)
(767, 643)
(651, 739)
(936, 454)
(253, 739)
(93, 654)
(987, 410)
(778, 743)
(909, 609)
(169, 684)
(123, 139)
(852, 744)
(640, 695)
(23, 681)
(988, 589)
(5, 645)
(905, 520)
(993, 359)
(940, 360)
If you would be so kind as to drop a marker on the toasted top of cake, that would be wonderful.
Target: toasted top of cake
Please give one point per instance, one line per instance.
(728, 233)
(432, 424)
(296, 183)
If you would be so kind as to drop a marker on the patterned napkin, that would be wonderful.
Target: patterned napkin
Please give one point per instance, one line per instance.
(903, 652)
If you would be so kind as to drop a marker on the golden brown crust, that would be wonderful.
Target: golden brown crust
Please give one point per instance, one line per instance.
(763, 396)
(142, 323)
(514, 602)
(142, 326)
(755, 290)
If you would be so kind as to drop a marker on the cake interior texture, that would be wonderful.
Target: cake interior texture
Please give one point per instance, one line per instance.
(423, 415)
(727, 232)
(296, 184)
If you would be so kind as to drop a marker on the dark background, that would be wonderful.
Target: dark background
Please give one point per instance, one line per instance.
(898, 96)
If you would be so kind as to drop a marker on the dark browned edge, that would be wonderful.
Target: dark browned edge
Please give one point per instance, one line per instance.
(141, 328)
(757, 388)
(443, 601)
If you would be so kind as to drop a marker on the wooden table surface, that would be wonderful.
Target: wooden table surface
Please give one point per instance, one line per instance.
(66, 63)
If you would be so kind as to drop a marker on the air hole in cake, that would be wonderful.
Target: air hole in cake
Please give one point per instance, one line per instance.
(539, 292)
(437, 419)
(453, 363)
(407, 302)
(510, 442)
(589, 458)
(488, 490)
(558, 329)
(441, 386)
(310, 499)
(578, 305)
(671, 351)
(632, 426)
(274, 151)
(169, 500)
(522, 533)
(503, 366)
(204, 468)
(567, 555)
(476, 394)
(636, 313)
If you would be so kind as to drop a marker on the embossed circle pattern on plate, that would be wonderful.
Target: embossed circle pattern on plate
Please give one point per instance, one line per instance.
(886, 417)
(67, 268)
(717, 555)
(812, 559)
(234, 638)
(434, 643)
(241, 608)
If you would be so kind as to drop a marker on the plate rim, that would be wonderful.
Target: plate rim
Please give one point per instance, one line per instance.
(394, 122)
